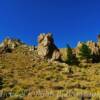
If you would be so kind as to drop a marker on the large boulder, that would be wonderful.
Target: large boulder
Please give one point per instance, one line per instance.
(47, 48)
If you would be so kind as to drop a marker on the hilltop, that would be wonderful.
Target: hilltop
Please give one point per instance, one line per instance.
(25, 76)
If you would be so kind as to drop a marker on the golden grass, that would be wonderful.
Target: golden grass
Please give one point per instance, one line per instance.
(24, 74)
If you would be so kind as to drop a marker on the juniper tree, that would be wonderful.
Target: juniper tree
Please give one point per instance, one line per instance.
(85, 53)
(71, 58)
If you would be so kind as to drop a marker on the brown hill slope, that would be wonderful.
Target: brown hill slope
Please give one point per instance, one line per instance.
(24, 76)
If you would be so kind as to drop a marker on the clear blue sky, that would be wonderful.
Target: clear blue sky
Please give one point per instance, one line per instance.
(68, 20)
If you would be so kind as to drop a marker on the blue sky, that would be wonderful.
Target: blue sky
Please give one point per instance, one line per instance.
(70, 21)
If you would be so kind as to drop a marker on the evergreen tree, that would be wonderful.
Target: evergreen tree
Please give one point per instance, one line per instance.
(85, 53)
(71, 58)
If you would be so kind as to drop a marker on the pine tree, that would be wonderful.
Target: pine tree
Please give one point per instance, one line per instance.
(71, 58)
(85, 53)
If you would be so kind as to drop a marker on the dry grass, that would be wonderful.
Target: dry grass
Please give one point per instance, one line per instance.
(27, 77)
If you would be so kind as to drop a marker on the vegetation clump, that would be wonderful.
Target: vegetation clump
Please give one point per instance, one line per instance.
(85, 53)
(71, 58)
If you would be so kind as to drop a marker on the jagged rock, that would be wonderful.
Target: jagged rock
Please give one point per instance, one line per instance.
(9, 44)
(94, 47)
(46, 47)
(95, 50)
(77, 49)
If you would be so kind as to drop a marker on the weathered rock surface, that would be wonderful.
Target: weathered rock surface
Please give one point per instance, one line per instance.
(47, 48)
(9, 44)
(94, 47)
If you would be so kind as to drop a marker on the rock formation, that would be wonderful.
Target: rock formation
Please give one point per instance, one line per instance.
(47, 48)
(94, 47)
(77, 49)
(9, 44)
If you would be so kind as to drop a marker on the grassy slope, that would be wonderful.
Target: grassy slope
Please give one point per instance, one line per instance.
(23, 71)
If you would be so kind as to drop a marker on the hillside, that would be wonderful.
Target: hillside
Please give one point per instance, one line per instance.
(25, 76)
